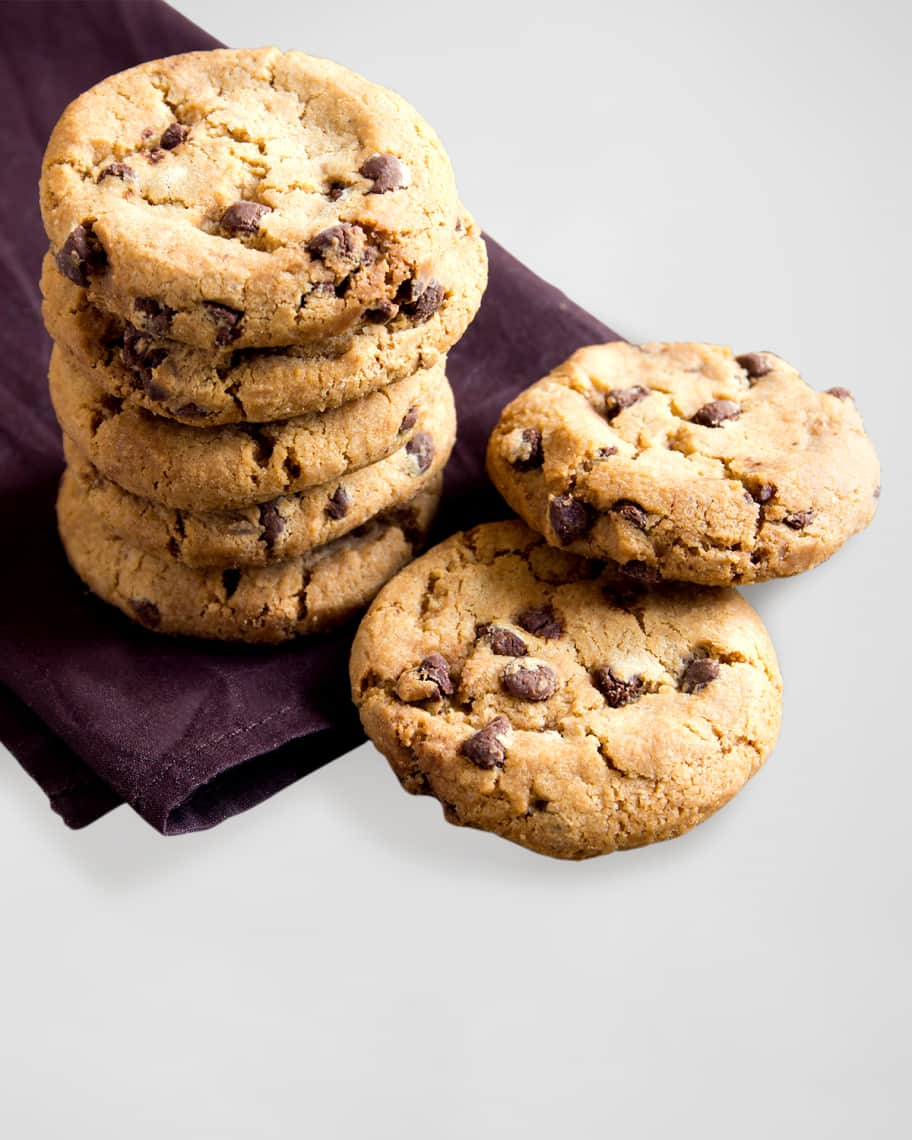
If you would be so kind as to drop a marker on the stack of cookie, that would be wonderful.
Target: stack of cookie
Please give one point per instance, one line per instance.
(258, 264)
(582, 681)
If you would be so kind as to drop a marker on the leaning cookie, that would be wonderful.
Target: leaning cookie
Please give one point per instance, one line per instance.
(248, 197)
(682, 461)
(547, 699)
(134, 361)
(284, 527)
(289, 599)
(238, 465)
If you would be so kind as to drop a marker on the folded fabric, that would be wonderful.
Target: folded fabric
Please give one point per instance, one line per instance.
(100, 711)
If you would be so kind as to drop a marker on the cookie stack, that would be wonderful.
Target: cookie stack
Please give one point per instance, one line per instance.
(583, 681)
(258, 264)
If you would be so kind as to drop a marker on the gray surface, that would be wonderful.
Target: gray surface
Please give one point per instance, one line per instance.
(340, 960)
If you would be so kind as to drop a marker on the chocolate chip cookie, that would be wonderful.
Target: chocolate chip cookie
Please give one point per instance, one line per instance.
(282, 528)
(683, 461)
(304, 595)
(248, 198)
(548, 699)
(238, 465)
(135, 361)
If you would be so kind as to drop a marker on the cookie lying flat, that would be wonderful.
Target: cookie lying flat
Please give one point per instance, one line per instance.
(285, 527)
(134, 362)
(543, 697)
(684, 462)
(248, 197)
(222, 468)
(265, 604)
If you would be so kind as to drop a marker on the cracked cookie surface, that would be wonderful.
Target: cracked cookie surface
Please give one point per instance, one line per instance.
(284, 527)
(135, 362)
(548, 699)
(248, 197)
(682, 461)
(235, 465)
(299, 596)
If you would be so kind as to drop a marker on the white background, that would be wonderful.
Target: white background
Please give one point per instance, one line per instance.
(342, 963)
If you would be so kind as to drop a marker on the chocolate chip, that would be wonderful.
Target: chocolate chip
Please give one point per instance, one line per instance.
(134, 346)
(606, 452)
(716, 413)
(421, 450)
(570, 518)
(382, 313)
(338, 503)
(174, 135)
(763, 493)
(755, 364)
(436, 669)
(116, 170)
(840, 393)
(427, 303)
(154, 316)
(505, 643)
(541, 623)
(620, 398)
(271, 521)
(484, 749)
(529, 680)
(615, 691)
(226, 320)
(632, 512)
(798, 520)
(339, 246)
(147, 612)
(409, 420)
(640, 571)
(386, 172)
(156, 155)
(81, 256)
(698, 674)
(530, 454)
(141, 357)
(243, 217)
(336, 190)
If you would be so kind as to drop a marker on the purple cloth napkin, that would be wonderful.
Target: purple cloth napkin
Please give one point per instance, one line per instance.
(98, 710)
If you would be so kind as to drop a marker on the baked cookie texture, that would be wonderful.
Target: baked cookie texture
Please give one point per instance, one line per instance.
(685, 462)
(283, 527)
(238, 465)
(248, 197)
(549, 699)
(136, 362)
(305, 595)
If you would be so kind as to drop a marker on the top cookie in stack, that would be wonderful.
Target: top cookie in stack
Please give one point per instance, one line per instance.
(246, 238)
(251, 198)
